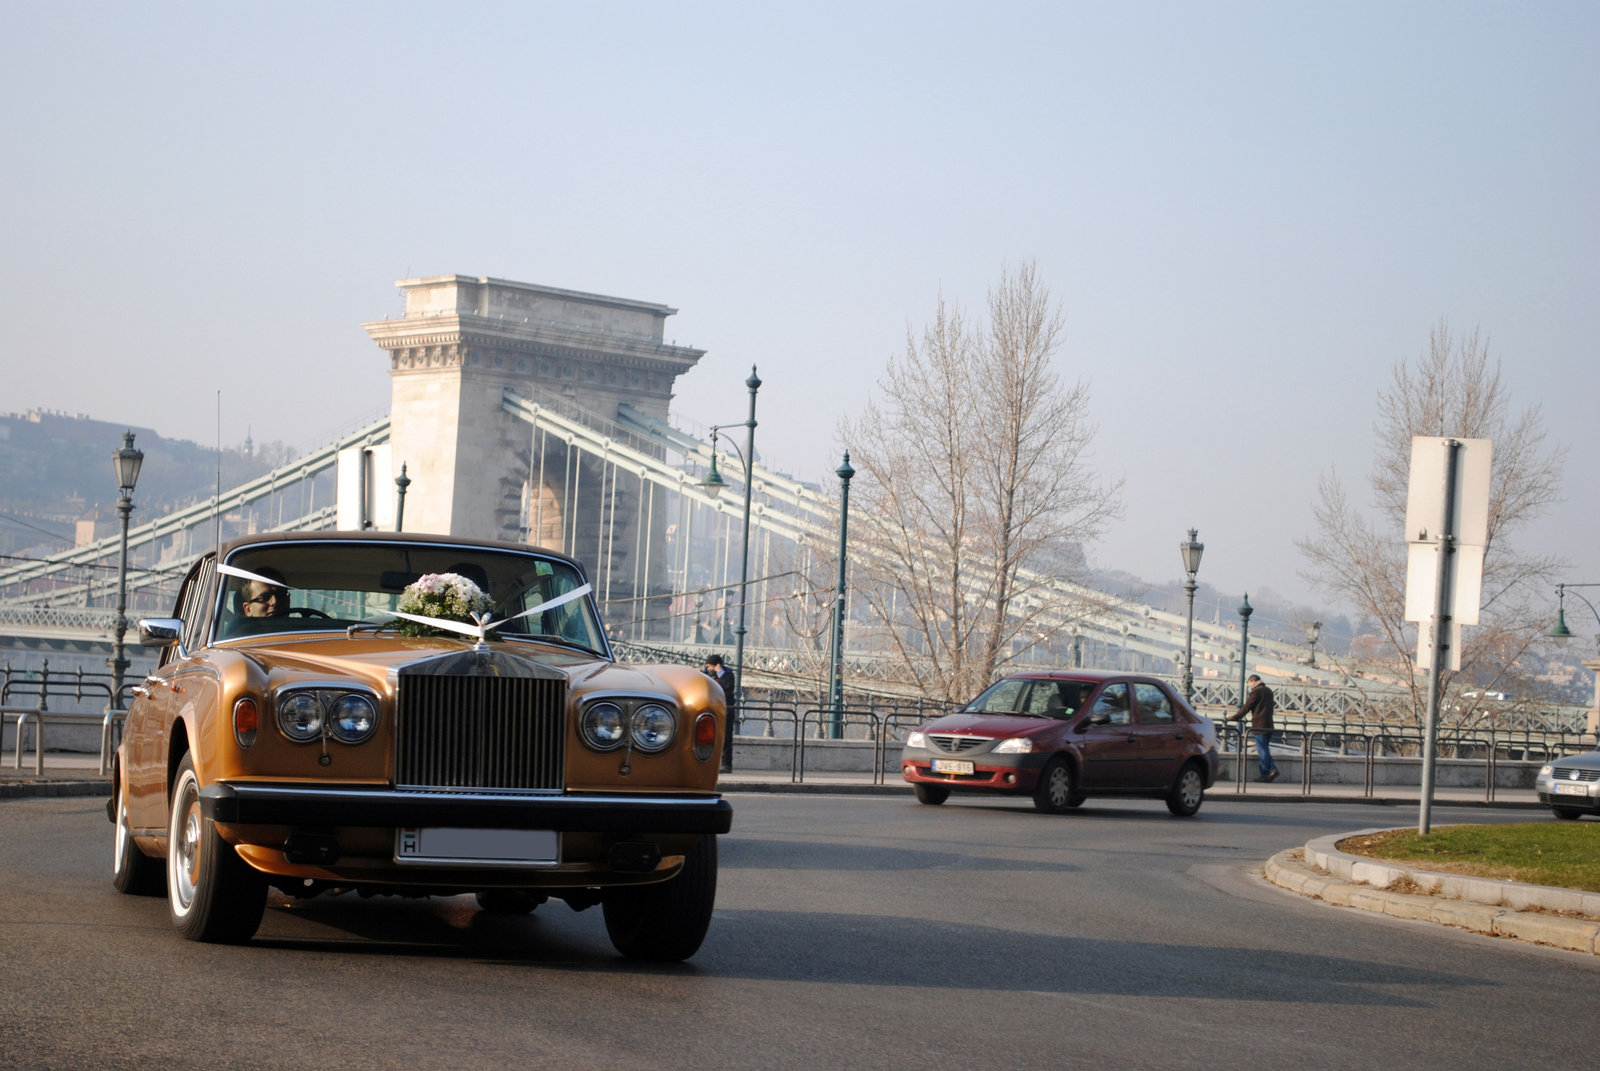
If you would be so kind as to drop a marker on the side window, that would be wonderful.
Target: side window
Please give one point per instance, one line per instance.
(1002, 698)
(1113, 700)
(199, 599)
(186, 595)
(1055, 699)
(1154, 706)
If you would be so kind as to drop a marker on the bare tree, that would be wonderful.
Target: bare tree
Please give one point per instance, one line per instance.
(974, 483)
(1453, 389)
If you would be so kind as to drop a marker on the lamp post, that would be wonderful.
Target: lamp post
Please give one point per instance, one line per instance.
(713, 484)
(1561, 634)
(125, 462)
(1313, 631)
(836, 651)
(1245, 610)
(401, 482)
(1191, 550)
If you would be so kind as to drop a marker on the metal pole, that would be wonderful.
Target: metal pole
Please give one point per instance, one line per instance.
(754, 383)
(1441, 633)
(1245, 610)
(836, 653)
(1188, 647)
(401, 482)
(119, 660)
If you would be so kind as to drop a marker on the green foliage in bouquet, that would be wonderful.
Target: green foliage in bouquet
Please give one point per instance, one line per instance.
(448, 596)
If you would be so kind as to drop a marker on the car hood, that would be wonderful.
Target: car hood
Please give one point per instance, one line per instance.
(996, 725)
(1587, 760)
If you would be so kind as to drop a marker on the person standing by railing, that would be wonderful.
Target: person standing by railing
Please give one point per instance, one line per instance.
(1260, 705)
(724, 676)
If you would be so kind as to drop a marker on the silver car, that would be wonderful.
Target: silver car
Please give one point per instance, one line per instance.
(1571, 786)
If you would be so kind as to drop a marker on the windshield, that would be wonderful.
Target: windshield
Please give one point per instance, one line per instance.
(320, 587)
(1038, 698)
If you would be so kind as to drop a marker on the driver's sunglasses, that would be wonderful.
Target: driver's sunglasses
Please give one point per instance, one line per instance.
(267, 597)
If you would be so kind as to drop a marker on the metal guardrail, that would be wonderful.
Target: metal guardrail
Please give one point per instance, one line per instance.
(41, 684)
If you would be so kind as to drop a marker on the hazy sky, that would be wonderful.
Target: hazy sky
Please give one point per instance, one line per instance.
(1247, 214)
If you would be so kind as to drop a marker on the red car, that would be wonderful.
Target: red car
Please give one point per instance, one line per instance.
(1062, 737)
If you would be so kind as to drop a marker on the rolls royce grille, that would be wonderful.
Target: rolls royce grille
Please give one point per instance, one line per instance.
(480, 733)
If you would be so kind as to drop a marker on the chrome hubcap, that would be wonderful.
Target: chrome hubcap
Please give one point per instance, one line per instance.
(186, 852)
(120, 843)
(1190, 793)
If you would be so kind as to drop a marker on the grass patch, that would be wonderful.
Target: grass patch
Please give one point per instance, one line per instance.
(1542, 853)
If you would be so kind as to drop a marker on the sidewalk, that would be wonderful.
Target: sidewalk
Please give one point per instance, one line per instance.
(65, 774)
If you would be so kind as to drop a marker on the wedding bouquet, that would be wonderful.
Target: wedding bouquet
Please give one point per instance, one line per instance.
(448, 596)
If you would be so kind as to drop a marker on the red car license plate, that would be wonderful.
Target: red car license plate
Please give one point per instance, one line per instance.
(952, 766)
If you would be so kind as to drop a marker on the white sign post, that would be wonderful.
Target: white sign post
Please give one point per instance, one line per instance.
(1447, 527)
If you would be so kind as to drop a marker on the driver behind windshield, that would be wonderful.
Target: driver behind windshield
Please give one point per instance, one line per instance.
(266, 600)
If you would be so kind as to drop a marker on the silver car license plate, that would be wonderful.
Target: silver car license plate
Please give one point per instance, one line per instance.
(952, 766)
(1571, 790)
(477, 847)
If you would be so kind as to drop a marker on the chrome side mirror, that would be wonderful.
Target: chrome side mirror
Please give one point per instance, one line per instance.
(162, 632)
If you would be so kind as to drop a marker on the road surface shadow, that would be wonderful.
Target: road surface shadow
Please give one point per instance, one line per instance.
(876, 950)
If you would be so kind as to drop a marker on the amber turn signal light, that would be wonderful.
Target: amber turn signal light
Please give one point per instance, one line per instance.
(246, 721)
(705, 736)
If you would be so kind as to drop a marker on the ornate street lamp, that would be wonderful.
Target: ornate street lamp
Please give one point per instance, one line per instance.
(836, 654)
(712, 484)
(1313, 631)
(1191, 550)
(1559, 631)
(126, 463)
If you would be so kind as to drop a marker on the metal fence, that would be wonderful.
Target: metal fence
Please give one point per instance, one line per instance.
(17, 686)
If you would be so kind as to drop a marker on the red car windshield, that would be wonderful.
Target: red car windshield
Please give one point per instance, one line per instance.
(1032, 698)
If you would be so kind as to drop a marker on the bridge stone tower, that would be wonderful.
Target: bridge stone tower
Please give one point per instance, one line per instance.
(473, 466)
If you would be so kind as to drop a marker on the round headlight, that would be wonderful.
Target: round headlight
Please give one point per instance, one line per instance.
(653, 727)
(602, 726)
(300, 717)
(353, 717)
(1544, 771)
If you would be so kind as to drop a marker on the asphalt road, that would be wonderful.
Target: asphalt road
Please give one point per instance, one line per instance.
(850, 932)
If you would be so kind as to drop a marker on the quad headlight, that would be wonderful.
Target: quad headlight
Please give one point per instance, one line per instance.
(307, 714)
(653, 727)
(643, 724)
(603, 726)
(300, 716)
(352, 717)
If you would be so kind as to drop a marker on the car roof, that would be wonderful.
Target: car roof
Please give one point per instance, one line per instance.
(422, 538)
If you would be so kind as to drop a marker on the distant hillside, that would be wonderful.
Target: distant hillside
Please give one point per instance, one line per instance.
(55, 469)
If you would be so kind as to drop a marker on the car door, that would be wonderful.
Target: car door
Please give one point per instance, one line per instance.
(1160, 734)
(148, 719)
(1111, 751)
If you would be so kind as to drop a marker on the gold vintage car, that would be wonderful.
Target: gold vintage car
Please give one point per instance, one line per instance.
(292, 737)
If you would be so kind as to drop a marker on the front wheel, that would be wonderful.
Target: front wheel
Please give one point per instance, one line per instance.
(932, 795)
(212, 894)
(1567, 814)
(1188, 793)
(666, 921)
(1054, 793)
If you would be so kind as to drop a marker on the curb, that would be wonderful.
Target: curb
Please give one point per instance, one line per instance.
(35, 789)
(897, 788)
(814, 788)
(1289, 870)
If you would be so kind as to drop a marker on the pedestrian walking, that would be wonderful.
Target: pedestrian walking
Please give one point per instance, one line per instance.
(724, 676)
(1259, 704)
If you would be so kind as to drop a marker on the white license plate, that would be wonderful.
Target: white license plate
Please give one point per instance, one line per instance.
(478, 847)
(952, 766)
(1571, 790)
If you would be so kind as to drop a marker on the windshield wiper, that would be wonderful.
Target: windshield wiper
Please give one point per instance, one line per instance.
(545, 637)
